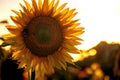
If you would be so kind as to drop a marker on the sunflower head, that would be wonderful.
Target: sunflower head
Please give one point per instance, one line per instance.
(44, 35)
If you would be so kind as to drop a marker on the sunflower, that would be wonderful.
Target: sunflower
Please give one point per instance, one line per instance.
(44, 35)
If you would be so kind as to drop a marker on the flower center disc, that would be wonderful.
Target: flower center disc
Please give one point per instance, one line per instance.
(43, 36)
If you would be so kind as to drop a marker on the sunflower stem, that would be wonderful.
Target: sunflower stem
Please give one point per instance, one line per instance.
(31, 75)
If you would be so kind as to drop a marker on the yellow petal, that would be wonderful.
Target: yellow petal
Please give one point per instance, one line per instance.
(59, 9)
(55, 6)
(17, 20)
(45, 7)
(16, 12)
(55, 61)
(48, 68)
(71, 16)
(51, 61)
(73, 38)
(27, 5)
(51, 5)
(40, 5)
(72, 42)
(22, 65)
(69, 22)
(61, 60)
(25, 18)
(71, 26)
(68, 14)
(65, 53)
(16, 54)
(34, 4)
(76, 31)
(63, 14)
(26, 11)
(35, 8)
(66, 56)
(70, 48)
(14, 29)
(8, 36)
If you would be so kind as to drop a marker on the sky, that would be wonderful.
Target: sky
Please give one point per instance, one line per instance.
(100, 18)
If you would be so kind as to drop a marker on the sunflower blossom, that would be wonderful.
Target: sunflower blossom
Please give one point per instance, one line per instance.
(44, 35)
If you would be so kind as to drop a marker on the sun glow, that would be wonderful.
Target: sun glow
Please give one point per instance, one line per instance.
(99, 17)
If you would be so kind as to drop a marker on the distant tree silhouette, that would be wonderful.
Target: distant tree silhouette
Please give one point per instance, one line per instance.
(106, 56)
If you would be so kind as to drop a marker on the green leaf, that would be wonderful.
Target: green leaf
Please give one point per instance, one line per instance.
(2, 57)
(4, 44)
